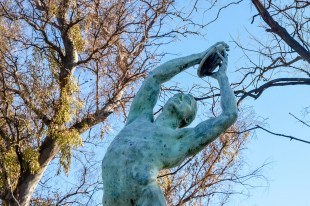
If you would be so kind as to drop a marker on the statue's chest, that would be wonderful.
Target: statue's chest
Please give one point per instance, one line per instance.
(147, 132)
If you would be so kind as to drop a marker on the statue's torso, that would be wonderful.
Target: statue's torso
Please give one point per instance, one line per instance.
(135, 156)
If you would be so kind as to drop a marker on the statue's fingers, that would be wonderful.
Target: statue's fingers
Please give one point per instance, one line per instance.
(225, 54)
(221, 45)
(220, 55)
(225, 45)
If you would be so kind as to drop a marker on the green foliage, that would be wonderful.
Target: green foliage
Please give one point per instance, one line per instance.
(66, 140)
(11, 168)
(69, 105)
(78, 40)
(10, 171)
(31, 157)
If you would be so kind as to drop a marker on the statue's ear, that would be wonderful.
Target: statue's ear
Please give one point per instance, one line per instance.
(187, 120)
(184, 122)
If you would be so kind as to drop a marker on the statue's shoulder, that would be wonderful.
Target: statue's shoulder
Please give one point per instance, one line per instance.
(140, 121)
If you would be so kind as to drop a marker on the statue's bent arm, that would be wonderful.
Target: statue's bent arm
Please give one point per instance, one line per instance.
(144, 101)
(195, 139)
(192, 140)
(147, 95)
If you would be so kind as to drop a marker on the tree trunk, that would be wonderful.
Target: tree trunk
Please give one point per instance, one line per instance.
(28, 182)
(25, 189)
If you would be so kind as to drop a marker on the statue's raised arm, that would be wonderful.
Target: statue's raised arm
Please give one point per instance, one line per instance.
(204, 133)
(146, 98)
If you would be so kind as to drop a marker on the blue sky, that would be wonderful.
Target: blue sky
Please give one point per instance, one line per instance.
(288, 171)
(288, 168)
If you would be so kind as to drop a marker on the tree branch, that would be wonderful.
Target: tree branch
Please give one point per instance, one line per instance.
(283, 135)
(273, 133)
(303, 122)
(255, 93)
(280, 31)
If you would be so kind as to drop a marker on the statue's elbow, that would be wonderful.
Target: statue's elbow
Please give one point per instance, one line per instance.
(232, 117)
(154, 76)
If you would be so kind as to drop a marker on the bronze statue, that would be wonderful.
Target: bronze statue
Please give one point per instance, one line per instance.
(145, 146)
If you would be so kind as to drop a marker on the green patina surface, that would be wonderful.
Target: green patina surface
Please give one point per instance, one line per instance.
(145, 146)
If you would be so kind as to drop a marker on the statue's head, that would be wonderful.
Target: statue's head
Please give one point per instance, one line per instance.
(183, 106)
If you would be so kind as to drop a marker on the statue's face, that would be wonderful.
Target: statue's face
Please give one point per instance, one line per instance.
(184, 106)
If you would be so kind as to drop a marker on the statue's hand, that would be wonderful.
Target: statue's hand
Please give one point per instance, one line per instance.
(219, 46)
(223, 67)
(211, 59)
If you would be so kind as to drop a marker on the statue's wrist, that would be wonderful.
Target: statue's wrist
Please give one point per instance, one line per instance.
(200, 56)
(221, 76)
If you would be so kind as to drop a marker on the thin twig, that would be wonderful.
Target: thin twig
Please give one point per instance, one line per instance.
(283, 135)
(300, 120)
(179, 168)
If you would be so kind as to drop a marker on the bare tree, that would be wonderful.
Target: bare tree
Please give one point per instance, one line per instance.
(285, 57)
(278, 58)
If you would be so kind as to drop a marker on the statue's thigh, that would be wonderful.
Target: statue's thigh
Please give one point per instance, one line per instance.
(152, 196)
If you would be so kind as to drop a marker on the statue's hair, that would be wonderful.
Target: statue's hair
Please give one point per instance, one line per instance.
(190, 118)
